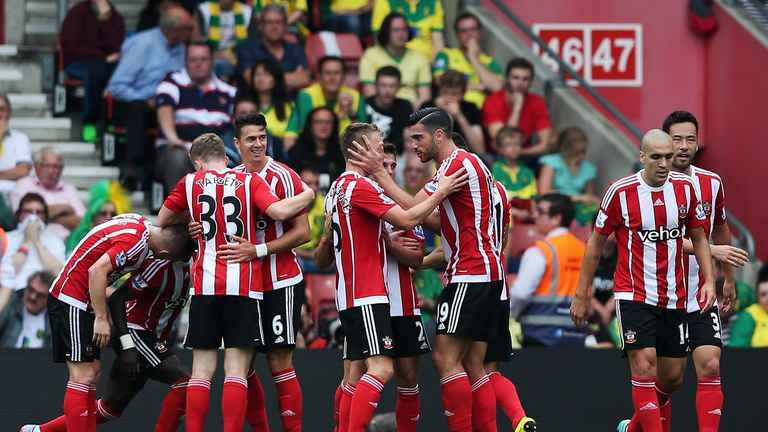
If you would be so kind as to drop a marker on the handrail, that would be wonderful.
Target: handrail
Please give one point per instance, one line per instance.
(566, 68)
(745, 236)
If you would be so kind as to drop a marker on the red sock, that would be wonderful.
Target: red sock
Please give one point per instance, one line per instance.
(647, 417)
(59, 424)
(407, 408)
(709, 404)
(664, 394)
(256, 412)
(345, 406)
(483, 406)
(337, 405)
(234, 401)
(289, 399)
(92, 408)
(173, 407)
(364, 402)
(76, 406)
(506, 397)
(105, 414)
(456, 394)
(198, 399)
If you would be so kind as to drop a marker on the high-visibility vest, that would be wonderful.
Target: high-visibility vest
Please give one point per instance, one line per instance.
(547, 319)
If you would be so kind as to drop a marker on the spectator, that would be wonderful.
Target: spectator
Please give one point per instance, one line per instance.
(296, 10)
(350, 16)
(30, 248)
(91, 36)
(751, 327)
(518, 180)
(515, 106)
(318, 148)
(424, 16)
(330, 92)
(271, 98)
(316, 216)
(243, 104)
(484, 75)
(223, 24)
(16, 157)
(416, 78)
(416, 174)
(108, 199)
(541, 294)
(272, 45)
(568, 173)
(146, 59)
(65, 207)
(467, 119)
(189, 103)
(149, 16)
(387, 111)
(24, 323)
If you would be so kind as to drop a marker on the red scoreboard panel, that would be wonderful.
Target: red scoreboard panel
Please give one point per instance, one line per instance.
(606, 55)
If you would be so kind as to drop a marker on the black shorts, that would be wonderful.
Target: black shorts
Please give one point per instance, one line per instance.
(152, 351)
(234, 319)
(464, 308)
(71, 333)
(409, 335)
(704, 329)
(645, 326)
(500, 348)
(280, 313)
(369, 331)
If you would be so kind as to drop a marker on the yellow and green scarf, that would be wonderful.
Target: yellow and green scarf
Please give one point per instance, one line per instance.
(214, 24)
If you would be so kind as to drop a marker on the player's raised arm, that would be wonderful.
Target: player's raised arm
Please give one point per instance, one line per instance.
(447, 184)
(175, 209)
(580, 304)
(407, 250)
(97, 290)
(242, 250)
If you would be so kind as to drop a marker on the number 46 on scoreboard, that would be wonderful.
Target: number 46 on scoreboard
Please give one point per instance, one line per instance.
(606, 55)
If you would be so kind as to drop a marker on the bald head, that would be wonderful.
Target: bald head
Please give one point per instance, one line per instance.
(656, 156)
(176, 24)
(655, 138)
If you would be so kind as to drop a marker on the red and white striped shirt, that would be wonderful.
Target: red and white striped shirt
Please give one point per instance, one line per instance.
(649, 224)
(225, 203)
(124, 238)
(356, 204)
(162, 289)
(282, 269)
(709, 187)
(467, 222)
(403, 300)
(502, 209)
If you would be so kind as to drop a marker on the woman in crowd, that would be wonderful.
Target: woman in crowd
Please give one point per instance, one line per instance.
(751, 327)
(318, 147)
(108, 199)
(271, 96)
(568, 172)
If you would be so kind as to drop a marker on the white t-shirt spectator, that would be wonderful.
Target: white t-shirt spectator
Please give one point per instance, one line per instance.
(33, 330)
(9, 278)
(14, 149)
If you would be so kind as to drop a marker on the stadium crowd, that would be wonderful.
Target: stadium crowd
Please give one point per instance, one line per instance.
(195, 75)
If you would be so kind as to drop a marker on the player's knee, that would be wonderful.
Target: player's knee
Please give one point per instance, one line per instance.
(279, 359)
(709, 367)
(382, 371)
(442, 362)
(407, 377)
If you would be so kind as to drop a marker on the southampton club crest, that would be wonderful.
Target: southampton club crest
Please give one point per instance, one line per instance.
(682, 211)
(707, 207)
(387, 341)
(630, 336)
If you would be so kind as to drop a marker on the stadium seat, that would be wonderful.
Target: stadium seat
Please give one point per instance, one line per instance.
(64, 85)
(523, 236)
(114, 131)
(344, 45)
(321, 292)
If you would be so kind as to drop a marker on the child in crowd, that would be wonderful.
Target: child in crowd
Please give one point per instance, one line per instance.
(518, 179)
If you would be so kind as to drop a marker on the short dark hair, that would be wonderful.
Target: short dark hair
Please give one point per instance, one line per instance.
(390, 148)
(466, 15)
(389, 71)
(452, 79)
(249, 119)
(676, 117)
(433, 119)
(459, 140)
(386, 28)
(201, 44)
(520, 63)
(32, 197)
(274, 7)
(569, 137)
(355, 132)
(762, 275)
(175, 238)
(45, 276)
(330, 58)
(207, 146)
(507, 132)
(562, 205)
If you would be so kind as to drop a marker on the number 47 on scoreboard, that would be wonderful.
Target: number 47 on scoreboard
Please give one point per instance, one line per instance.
(606, 55)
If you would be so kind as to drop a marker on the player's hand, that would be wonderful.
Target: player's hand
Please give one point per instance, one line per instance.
(579, 311)
(707, 296)
(729, 296)
(241, 251)
(399, 238)
(101, 332)
(129, 363)
(195, 229)
(730, 255)
(448, 184)
(367, 158)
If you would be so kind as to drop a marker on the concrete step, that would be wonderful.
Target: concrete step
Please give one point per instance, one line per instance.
(42, 9)
(21, 77)
(41, 26)
(10, 74)
(8, 50)
(83, 177)
(29, 104)
(44, 128)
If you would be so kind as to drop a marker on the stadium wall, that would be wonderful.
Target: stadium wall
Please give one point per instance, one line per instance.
(565, 390)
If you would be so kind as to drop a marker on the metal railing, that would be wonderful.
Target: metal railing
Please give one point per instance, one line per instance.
(756, 9)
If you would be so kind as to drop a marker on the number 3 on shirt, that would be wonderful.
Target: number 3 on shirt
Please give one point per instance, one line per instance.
(232, 210)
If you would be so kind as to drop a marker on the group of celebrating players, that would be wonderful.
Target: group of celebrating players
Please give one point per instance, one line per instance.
(245, 286)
